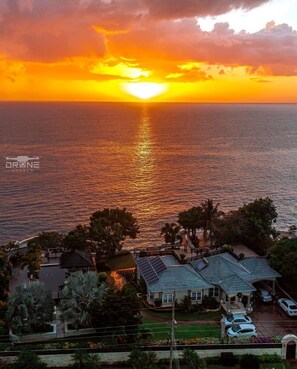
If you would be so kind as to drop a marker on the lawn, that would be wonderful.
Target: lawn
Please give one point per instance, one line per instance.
(180, 316)
(161, 330)
(122, 261)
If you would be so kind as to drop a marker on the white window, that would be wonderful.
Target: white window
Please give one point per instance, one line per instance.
(214, 292)
(196, 296)
(167, 298)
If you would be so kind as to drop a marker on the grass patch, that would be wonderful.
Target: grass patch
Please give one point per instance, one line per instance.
(179, 316)
(123, 261)
(161, 330)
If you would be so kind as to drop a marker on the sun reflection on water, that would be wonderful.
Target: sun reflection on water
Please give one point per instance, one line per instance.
(144, 180)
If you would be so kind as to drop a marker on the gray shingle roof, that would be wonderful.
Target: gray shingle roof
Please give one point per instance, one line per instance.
(235, 276)
(179, 277)
(259, 268)
(162, 276)
(223, 270)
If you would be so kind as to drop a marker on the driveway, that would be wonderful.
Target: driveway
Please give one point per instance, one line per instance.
(271, 320)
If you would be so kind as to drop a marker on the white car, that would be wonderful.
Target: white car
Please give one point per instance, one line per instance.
(237, 319)
(242, 330)
(288, 306)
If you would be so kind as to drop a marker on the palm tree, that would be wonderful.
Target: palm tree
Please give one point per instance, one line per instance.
(170, 232)
(142, 360)
(80, 292)
(85, 360)
(30, 308)
(210, 213)
(193, 360)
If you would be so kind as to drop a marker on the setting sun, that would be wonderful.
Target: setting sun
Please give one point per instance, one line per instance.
(145, 90)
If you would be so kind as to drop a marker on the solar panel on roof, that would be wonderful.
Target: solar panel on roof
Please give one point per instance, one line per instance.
(150, 269)
(158, 265)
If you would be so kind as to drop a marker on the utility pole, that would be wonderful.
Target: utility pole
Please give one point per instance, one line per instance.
(173, 322)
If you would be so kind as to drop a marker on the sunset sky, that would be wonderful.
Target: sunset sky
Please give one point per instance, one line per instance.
(161, 50)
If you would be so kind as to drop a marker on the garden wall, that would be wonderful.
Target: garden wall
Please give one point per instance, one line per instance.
(62, 358)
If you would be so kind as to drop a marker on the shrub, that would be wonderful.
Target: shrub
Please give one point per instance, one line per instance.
(28, 360)
(249, 361)
(142, 360)
(209, 302)
(186, 304)
(270, 358)
(193, 360)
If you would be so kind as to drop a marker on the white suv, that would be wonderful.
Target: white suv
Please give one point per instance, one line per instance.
(288, 306)
(242, 330)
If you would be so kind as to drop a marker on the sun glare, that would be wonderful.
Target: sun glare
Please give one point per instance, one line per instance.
(145, 90)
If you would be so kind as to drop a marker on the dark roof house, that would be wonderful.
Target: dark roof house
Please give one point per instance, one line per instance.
(77, 259)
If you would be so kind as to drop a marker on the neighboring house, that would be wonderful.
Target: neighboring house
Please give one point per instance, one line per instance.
(222, 276)
(76, 260)
(53, 274)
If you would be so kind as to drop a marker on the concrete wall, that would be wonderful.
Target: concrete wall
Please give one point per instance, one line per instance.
(65, 359)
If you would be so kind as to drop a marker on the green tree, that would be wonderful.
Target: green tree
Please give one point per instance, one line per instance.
(32, 258)
(283, 258)
(81, 290)
(28, 360)
(191, 219)
(78, 238)
(210, 212)
(260, 215)
(50, 240)
(84, 360)
(193, 360)
(5, 274)
(230, 228)
(30, 308)
(119, 308)
(109, 228)
(170, 231)
(142, 360)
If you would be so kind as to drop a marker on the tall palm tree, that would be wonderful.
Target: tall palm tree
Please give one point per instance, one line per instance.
(30, 308)
(210, 213)
(80, 292)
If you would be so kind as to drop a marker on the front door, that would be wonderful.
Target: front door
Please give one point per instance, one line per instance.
(291, 350)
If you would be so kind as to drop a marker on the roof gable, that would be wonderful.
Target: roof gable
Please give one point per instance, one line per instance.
(76, 259)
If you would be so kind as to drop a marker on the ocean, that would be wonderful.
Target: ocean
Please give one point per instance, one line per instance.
(155, 159)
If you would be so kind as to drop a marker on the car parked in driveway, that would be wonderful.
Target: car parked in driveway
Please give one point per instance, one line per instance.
(237, 319)
(242, 330)
(264, 295)
(288, 306)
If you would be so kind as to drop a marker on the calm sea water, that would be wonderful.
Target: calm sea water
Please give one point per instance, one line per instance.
(156, 160)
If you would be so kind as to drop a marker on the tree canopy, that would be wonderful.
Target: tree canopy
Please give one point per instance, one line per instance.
(119, 308)
(260, 215)
(78, 238)
(283, 258)
(109, 228)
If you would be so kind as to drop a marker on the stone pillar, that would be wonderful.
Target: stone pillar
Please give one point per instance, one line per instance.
(248, 305)
(229, 304)
(273, 288)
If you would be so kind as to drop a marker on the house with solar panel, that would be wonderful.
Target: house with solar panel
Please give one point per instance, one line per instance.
(228, 280)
